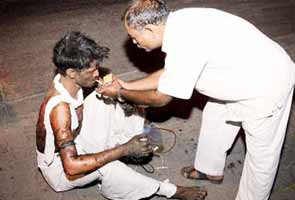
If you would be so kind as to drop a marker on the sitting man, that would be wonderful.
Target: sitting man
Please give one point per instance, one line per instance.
(68, 160)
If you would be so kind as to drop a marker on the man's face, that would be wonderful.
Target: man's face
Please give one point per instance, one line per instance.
(144, 38)
(87, 77)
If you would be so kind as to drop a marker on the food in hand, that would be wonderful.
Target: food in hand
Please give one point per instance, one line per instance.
(107, 79)
(99, 82)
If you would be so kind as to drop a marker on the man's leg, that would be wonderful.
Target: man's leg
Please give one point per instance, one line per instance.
(264, 138)
(56, 177)
(216, 137)
(121, 182)
(105, 126)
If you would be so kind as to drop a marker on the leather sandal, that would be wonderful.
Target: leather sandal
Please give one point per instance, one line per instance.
(186, 172)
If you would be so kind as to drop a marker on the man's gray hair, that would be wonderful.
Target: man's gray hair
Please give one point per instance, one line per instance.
(143, 12)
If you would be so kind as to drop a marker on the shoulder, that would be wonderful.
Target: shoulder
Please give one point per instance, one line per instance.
(60, 116)
(61, 108)
(55, 106)
(191, 12)
(186, 21)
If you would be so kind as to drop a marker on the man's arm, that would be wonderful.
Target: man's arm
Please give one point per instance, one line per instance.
(149, 97)
(142, 91)
(75, 164)
(148, 83)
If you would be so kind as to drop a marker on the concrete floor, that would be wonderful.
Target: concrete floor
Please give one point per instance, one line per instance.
(28, 32)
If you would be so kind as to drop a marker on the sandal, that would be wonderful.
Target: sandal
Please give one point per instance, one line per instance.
(187, 172)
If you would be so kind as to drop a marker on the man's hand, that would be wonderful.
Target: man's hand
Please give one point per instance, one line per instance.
(139, 146)
(110, 90)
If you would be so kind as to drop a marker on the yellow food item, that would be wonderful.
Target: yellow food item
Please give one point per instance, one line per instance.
(107, 78)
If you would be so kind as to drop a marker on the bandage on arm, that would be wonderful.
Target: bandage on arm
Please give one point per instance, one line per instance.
(66, 144)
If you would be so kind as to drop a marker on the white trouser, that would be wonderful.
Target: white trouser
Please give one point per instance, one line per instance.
(56, 177)
(264, 139)
(105, 126)
(118, 181)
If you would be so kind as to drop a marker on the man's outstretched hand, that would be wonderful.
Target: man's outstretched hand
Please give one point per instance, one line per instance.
(110, 89)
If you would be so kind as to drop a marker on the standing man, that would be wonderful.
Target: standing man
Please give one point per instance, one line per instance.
(68, 160)
(248, 77)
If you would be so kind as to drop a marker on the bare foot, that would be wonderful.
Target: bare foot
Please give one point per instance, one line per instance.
(190, 193)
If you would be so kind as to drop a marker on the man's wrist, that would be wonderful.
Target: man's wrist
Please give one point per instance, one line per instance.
(125, 149)
(119, 95)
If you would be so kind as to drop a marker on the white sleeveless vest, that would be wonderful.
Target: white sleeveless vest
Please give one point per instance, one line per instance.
(48, 156)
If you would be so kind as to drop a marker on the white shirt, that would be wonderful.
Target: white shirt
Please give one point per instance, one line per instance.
(227, 58)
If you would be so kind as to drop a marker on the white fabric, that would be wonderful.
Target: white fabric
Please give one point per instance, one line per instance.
(55, 176)
(63, 96)
(103, 127)
(215, 139)
(50, 163)
(264, 139)
(252, 78)
(226, 58)
(167, 189)
(120, 182)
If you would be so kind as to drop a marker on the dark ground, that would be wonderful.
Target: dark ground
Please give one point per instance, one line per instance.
(28, 32)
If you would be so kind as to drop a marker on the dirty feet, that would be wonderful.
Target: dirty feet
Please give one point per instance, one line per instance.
(190, 193)
(191, 173)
